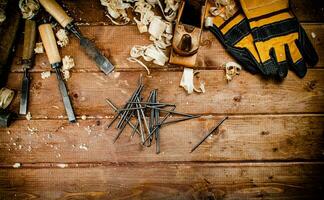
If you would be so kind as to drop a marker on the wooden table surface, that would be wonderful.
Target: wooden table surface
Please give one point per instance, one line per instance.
(271, 147)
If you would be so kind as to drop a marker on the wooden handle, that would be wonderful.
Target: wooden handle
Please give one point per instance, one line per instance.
(49, 42)
(56, 11)
(29, 39)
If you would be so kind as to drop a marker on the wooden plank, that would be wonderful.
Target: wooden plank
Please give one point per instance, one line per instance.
(211, 54)
(93, 13)
(241, 138)
(247, 94)
(309, 11)
(161, 181)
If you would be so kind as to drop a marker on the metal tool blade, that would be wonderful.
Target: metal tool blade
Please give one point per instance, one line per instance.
(65, 96)
(91, 50)
(24, 94)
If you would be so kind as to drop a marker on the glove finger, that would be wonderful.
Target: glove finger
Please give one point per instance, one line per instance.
(279, 55)
(272, 67)
(306, 48)
(297, 65)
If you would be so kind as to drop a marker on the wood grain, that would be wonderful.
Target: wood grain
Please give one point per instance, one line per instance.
(247, 94)
(240, 138)
(271, 147)
(161, 182)
(108, 39)
(92, 12)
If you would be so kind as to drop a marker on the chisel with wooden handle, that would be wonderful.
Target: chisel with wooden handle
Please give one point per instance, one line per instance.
(49, 42)
(52, 7)
(27, 60)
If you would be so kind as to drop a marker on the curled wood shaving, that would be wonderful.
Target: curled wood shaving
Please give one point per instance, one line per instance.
(161, 33)
(223, 8)
(117, 10)
(6, 97)
(29, 8)
(160, 30)
(131, 59)
(62, 37)
(148, 53)
(170, 10)
(187, 81)
(232, 69)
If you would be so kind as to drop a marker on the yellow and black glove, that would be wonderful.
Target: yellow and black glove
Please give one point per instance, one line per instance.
(235, 35)
(280, 40)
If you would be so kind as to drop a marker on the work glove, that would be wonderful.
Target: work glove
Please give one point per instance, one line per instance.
(234, 33)
(280, 40)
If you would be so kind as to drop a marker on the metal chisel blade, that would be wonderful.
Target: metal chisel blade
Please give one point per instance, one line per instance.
(91, 50)
(65, 97)
(24, 95)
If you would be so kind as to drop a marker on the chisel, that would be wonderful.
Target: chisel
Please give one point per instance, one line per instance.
(52, 7)
(49, 42)
(27, 60)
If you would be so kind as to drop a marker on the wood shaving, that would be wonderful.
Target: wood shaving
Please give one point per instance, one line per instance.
(45, 75)
(68, 63)
(148, 53)
(39, 47)
(224, 8)
(32, 130)
(160, 30)
(62, 165)
(232, 69)
(6, 97)
(117, 11)
(62, 37)
(28, 8)
(83, 117)
(188, 84)
(28, 116)
(2, 15)
(83, 146)
(16, 165)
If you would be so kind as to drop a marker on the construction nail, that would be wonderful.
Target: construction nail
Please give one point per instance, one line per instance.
(208, 134)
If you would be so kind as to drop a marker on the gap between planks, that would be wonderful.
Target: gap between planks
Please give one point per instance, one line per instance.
(203, 116)
(234, 163)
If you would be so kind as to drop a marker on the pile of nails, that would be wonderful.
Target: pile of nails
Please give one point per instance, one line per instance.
(147, 116)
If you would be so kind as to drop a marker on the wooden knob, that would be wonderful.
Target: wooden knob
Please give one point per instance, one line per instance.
(49, 42)
(29, 39)
(56, 11)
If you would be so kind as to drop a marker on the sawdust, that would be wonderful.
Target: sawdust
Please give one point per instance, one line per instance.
(28, 116)
(39, 48)
(68, 64)
(62, 37)
(45, 75)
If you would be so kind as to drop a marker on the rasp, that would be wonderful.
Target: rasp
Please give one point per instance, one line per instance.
(27, 60)
(49, 42)
(52, 7)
